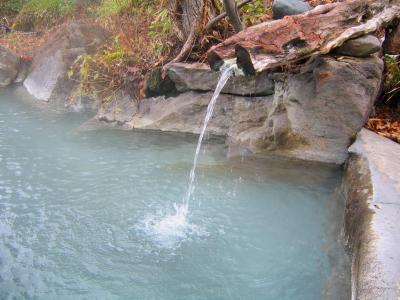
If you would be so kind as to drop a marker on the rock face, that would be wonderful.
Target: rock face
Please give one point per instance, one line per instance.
(9, 65)
(316, 113)
(185, 113)
(48, 77)
(313, 115)
(360, 47)
(372, 189)
(199, 77)
(281, 8)
(118, 112)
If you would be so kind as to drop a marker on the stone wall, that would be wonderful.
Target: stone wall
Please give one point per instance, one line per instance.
(372, 189)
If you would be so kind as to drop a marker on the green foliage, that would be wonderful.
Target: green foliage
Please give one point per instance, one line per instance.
(10, 7)
(110, 8)
(392, 78)
(159, 29)
(254, 11)
(39, 14)
(105, 72)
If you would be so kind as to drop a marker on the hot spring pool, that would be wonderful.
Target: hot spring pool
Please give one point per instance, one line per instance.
(81, 217)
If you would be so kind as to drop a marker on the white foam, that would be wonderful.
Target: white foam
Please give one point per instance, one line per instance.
(170, 230)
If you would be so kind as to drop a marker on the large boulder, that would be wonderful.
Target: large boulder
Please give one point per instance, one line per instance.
(360, 47)
(281, 8)
(48, 78)
(317, 112)
(199, 77)
(372, 190)
(9, 66)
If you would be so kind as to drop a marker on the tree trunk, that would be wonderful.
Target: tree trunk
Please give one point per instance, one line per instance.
(232, 12)
(276, 43)
(191, 17)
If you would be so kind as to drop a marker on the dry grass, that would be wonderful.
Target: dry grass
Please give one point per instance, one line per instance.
(132, 33)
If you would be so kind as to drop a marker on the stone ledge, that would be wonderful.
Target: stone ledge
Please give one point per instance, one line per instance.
(372, 189)
(199, 77)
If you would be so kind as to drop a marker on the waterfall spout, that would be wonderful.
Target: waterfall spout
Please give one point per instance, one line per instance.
(226, 73)
(169, 230)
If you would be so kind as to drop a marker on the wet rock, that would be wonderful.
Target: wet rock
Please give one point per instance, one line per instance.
(118, 111)
(372, 189)
(23, 71)
(48, 79)
(199, 77)
(9, 66)
(186, 112)
(281, 8)
(360, 47)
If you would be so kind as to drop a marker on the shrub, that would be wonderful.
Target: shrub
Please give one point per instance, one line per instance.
(40, 14)
(159, 30)
(256, 12)
(139, 24)
(392, 77)
(110, 8)
(106, 72)
(10, 7)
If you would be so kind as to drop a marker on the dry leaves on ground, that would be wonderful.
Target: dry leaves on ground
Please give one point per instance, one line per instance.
(386, 122)
(23, 44)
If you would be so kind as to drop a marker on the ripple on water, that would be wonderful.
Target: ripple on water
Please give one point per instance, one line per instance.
(92, 216)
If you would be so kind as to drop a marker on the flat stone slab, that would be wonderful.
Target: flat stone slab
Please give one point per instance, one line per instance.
(372, 189)
(199, 77)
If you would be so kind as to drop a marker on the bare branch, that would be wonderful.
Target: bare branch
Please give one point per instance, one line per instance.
(223, 15)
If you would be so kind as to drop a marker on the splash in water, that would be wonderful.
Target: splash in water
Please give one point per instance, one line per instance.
(170, 230)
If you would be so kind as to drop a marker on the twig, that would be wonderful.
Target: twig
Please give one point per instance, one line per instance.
(218, 18)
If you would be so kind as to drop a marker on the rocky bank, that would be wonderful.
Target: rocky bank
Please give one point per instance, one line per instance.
(312, 113)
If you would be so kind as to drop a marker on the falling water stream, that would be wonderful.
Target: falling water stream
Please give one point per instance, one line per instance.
(225, 75)
(173, 228)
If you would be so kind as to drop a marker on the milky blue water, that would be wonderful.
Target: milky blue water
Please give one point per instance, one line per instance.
(84, 215)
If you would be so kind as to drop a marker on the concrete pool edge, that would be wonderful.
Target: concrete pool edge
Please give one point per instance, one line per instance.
(371, 186)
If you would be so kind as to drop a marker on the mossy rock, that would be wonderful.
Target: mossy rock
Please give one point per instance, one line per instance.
(157, 86)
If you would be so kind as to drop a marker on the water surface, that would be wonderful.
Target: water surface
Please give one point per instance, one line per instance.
(77, 215)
